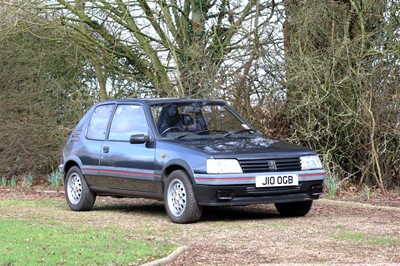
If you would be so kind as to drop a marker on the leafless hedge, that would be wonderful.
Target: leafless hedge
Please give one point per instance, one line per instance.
(39, 103)
(343, 80)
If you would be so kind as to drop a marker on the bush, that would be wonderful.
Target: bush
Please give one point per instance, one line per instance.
(344, 88)
(40, 99)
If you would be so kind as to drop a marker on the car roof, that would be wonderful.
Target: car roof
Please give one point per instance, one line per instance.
(160, 100)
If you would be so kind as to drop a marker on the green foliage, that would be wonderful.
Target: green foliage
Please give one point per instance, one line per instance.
(367, 191)
(3, 181)
(29, 180)
(13, 182)
(331, 185)
(31, 243)
(54, 179)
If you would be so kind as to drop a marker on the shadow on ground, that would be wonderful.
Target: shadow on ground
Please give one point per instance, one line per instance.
(210, 214)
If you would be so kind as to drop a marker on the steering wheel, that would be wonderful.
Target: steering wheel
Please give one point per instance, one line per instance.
(169, 129)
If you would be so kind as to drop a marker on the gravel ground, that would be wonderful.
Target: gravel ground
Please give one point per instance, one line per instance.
(334, 232)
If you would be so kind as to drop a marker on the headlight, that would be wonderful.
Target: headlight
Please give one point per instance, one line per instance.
(223, 166)
(310, 162)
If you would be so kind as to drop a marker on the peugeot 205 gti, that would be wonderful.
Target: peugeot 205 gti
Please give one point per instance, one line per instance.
(189, 153)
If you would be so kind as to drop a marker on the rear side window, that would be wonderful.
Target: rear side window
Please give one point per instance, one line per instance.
(99, 121)
(128, 120)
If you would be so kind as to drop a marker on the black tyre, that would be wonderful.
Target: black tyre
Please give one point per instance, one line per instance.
(179, 199)
(294, 209)
(77, 192)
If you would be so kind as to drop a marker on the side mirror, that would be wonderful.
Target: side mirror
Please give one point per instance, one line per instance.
(139, 139)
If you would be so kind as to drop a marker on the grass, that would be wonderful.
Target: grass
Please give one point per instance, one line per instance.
(339, 226)
(384, 241)
(35, 239)
(351, 236)
(355, 236)
(369, 239)
(277, 225)
(32, 243)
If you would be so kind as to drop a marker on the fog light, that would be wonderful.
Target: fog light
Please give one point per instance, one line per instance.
(224, 194)
(316, 190)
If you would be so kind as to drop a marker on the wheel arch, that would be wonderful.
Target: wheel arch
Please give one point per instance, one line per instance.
(71, 162)
(174, 165)
(181, 207)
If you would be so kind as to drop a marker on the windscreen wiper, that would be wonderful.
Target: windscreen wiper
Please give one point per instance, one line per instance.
(181, 136)
(249, 130)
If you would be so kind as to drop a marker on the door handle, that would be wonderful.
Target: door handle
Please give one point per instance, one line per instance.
(106, 149)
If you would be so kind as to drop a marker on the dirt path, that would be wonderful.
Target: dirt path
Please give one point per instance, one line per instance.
(332, 233)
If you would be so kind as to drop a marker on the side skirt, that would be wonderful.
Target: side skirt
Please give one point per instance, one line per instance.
(126, 193)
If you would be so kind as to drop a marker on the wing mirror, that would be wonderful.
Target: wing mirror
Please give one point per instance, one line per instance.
(139, 139)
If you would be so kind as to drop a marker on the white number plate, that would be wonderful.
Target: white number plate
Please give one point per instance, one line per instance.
(277, 180)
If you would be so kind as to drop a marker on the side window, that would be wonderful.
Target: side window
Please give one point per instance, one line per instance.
(98, 122)
(128, 120)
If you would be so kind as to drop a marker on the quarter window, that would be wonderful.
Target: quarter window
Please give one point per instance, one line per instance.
(128, 120)
(99, 121)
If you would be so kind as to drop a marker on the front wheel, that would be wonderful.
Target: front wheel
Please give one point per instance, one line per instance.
(179, 199)
(294, 209)
(77, 192)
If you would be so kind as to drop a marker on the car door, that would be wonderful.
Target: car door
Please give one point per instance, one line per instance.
(89, 153)
(125, 166)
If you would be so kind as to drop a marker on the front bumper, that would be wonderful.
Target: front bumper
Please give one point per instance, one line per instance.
(248, 194)
(61, 170)
(240, 189)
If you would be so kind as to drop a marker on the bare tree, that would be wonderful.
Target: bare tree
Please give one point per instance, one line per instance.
(176, 46)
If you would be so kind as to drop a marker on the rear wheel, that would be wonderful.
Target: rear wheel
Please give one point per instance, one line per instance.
(77, 192)
(294, 209)
(179, 199)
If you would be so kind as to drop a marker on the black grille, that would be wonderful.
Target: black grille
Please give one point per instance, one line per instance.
(270, 165)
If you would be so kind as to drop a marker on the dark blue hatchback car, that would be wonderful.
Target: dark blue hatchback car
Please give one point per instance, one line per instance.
(189, 153)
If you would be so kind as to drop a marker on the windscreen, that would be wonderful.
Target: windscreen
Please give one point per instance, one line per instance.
(196, 119)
